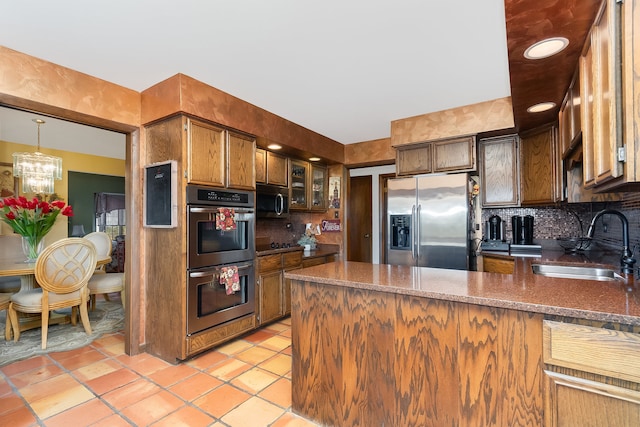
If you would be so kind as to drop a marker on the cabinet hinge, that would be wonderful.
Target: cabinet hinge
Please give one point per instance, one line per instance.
(619, 1)
(622, 154)
(186, 126)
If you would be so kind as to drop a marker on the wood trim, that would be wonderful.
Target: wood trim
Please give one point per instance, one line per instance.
(598, 350)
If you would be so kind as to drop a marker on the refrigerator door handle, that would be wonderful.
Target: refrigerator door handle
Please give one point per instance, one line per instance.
(413, 232)
(418, 232)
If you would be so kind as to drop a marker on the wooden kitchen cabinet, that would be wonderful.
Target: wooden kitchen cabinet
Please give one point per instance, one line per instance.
(299, 185)
(468, 365)
(271, 168)
(206, 151)
(319, 260)
(319, 188)
(273, 291)
(414, 159)
(290, 261)
(446, 155)
(240, 161)
(592, 374)
(455, 154)
(261, 166)
(540, 167)
(499, 171)
(309, 186)
(497, 264)
(269, 296)
(277, 169)
(201, 151)
(601, 71)
(218, 157)
(569, 122)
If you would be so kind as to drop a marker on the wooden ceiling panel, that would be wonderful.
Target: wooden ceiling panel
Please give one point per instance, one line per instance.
(534, 81)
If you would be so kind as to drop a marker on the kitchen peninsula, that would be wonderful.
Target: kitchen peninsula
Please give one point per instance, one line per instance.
(388, 345)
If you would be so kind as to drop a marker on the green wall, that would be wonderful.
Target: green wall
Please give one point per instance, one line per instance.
(82, 187)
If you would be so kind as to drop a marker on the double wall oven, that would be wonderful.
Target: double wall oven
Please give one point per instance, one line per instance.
(212, 250)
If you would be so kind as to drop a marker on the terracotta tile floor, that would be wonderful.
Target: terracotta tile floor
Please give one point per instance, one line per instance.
(246, 382)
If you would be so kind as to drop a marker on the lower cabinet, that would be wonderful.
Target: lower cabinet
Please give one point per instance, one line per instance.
(496, 264)
(273, 292)
(269, 296)
(592, 374)
(310, 262)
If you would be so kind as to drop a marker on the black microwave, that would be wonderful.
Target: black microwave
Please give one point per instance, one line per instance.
(272, 202)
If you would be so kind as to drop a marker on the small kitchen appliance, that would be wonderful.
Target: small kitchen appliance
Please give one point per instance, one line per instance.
(494, 239)
(522, 230)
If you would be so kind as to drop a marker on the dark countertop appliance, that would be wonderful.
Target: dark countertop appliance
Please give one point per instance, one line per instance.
(522, 229)
(494, 235)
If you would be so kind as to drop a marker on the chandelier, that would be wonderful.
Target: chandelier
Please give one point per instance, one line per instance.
(37, 170)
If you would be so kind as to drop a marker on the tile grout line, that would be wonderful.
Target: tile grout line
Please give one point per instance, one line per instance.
(185, 403)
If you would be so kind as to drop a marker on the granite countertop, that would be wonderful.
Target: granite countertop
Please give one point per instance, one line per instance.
(267, 250)
(315, 253)
(611, 301)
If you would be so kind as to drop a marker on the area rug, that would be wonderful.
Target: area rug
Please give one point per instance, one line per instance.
(107, 317)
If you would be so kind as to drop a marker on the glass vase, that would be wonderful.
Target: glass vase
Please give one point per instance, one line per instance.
(32, 246)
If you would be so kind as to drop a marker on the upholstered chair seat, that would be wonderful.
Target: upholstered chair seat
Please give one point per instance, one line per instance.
(105, 284)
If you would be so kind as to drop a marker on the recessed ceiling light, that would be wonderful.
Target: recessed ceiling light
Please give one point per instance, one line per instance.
(314, 159)
(274, 146)
(539, 108)
(546, 48)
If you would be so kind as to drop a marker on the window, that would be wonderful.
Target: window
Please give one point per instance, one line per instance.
(110, 214)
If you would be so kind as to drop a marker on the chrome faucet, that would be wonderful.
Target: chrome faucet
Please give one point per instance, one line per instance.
(626, 259)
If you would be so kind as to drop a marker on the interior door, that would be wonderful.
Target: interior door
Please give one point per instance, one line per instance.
(359, 219)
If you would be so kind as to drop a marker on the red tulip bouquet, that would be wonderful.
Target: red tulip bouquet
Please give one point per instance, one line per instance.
(32, 219)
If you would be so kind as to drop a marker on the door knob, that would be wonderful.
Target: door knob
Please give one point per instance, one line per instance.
(366, 236)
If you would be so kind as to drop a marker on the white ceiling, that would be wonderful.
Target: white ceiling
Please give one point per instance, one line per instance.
(342, 68)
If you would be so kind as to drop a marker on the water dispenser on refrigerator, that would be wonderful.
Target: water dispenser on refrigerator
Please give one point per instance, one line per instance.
(401, 232)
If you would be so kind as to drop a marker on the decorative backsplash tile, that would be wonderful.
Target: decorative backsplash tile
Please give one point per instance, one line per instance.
(572, 220)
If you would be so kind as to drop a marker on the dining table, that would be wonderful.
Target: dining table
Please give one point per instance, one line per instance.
(15, 265)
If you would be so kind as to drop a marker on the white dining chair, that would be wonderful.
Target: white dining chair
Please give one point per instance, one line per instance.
(104, 284)
(103, 244)
(62, 270)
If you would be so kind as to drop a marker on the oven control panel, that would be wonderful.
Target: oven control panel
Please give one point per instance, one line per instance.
(214, 196)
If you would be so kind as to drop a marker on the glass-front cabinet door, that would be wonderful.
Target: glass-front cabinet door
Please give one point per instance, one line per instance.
(299, 185)
(319, 185)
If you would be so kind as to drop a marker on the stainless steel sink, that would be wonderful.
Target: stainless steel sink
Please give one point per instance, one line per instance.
(576, 272)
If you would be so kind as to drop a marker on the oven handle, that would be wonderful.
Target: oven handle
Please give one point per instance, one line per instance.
(215, 210)
(214, 270)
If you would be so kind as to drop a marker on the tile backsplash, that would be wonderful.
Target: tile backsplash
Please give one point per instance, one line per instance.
(572, 220)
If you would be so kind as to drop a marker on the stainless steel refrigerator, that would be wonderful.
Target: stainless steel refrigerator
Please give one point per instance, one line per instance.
(428, 221)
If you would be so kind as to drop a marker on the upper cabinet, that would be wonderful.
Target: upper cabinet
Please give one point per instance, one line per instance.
(206, 154)
(240, 161)
(271, 168)
(601, 71)
(446, 155)
(319, 187)
(609, 89)
(569, 121)
(299, 185)
(540, 167)
(218, 157)
(309, 186)
(499, 171)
